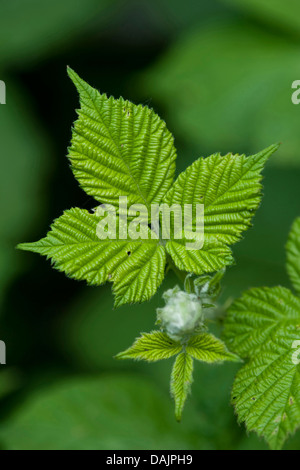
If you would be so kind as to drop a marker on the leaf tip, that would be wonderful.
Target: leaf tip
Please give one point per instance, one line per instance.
(118, 302)
(234, 358)
(24, 246)
(72, 74)
(119, 356)
(79, 83)
(267, 152)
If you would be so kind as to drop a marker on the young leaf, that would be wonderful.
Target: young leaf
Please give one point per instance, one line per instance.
(208, 287)
(253, 321)
(120, 149)
(293, 255)
(151, 347)
(212, 257)
(181, 380)
(230, 189)
(207, 348)
(136, 267)
(273, 12)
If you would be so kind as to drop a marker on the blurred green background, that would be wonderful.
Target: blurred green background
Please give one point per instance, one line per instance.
(220, 74)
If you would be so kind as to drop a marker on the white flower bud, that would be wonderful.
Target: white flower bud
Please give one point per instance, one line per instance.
(181, 315)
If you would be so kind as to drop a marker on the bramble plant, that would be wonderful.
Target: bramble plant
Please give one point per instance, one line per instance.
(121, 150)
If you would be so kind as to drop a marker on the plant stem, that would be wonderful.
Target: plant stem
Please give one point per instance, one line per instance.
(181, 275)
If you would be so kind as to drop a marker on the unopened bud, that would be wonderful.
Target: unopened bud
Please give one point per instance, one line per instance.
(181, 315)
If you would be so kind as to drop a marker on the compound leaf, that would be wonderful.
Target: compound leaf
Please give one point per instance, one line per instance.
(151, 347)
(120, 149)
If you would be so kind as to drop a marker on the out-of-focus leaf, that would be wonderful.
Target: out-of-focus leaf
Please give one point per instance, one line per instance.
(10, 380)
(293, 255)
(30, 29)
(275, 12)
(228, 87)
(113, 412)
(176, 14)
(24, 152)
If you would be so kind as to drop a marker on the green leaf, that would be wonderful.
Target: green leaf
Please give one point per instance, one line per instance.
(264, 326)
(207, 348)
(25, 166)
(230, 189)
(253, 322)
(136, 267)
(151, 347)
(212, 257)
(108, 412)
(181, 380)
(244, 109)
(42, 28)
(208, 287)
(293, 255)
(266, 393)
(120, 149)
(10, 381)
(274, 12)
